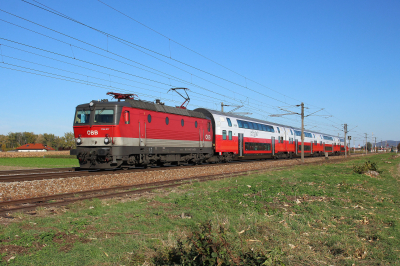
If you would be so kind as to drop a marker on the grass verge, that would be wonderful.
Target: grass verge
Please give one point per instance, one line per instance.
(308, 215)
(55, 161)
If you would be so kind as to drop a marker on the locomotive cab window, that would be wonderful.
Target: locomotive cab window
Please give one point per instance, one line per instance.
(82, 117)
(229, 122)
(103, 116)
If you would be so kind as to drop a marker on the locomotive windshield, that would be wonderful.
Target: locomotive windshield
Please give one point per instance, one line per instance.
(103, 116)
(82, 117)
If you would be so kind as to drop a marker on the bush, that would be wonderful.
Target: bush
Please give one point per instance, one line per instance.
(212, 246)
(363, 168)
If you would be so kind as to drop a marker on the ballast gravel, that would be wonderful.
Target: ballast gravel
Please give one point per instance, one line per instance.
(38, 188)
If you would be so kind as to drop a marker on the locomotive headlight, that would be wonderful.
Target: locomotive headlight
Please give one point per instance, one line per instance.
(91, 104)
(106, 140)
(79, 140)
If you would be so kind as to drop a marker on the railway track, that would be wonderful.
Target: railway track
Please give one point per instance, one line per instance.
(38, 171)
(72, 172)
(7, 207)
(40, 174)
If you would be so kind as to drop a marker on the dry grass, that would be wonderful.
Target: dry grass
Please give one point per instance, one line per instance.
(31, 154)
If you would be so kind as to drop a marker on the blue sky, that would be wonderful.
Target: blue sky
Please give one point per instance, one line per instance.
(342, 56)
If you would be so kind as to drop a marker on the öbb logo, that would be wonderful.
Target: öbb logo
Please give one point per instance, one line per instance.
(92, 132)
(207, 137)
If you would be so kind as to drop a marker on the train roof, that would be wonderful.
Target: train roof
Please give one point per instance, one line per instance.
(256, 120)
(147, 105)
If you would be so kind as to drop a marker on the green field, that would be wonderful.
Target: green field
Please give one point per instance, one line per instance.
(40, 162)
(307, 215)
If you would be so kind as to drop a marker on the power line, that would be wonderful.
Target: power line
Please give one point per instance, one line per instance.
(205, 57)
(176, 78)
(97, 53)
(147, 49)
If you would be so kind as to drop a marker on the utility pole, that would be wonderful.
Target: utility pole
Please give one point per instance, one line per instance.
(222, 107)
(345, 140)
(375, 144)
(302, 123)
(302, 132)
(366, 150)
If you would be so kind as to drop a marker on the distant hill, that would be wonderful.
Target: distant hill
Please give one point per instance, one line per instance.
(390, 143)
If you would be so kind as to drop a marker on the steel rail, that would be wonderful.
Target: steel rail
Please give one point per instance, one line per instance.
(38, 170)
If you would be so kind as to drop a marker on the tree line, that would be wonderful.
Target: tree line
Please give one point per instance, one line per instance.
(16, 139)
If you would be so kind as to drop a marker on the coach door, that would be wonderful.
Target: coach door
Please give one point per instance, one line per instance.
(273, 145)
(142, 133)
(201, 136)
(240, 144)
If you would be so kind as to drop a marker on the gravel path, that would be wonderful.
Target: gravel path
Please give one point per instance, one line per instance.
(29, 189)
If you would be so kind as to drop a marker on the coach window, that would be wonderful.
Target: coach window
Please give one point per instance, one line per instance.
(149, 118)
(279, 131)
(250, 125)
(167, 120)
(182, 122)
(229, 122)
(240, 123)
(224, 134)
(230, 135)
(195, 124)
(245, 125)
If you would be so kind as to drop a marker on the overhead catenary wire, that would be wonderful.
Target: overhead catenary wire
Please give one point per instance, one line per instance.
(163, 73)
(64, 34)
(167, 74)
(144, 48)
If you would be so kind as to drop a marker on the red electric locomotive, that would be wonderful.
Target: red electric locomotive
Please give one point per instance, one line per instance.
(138, 133)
